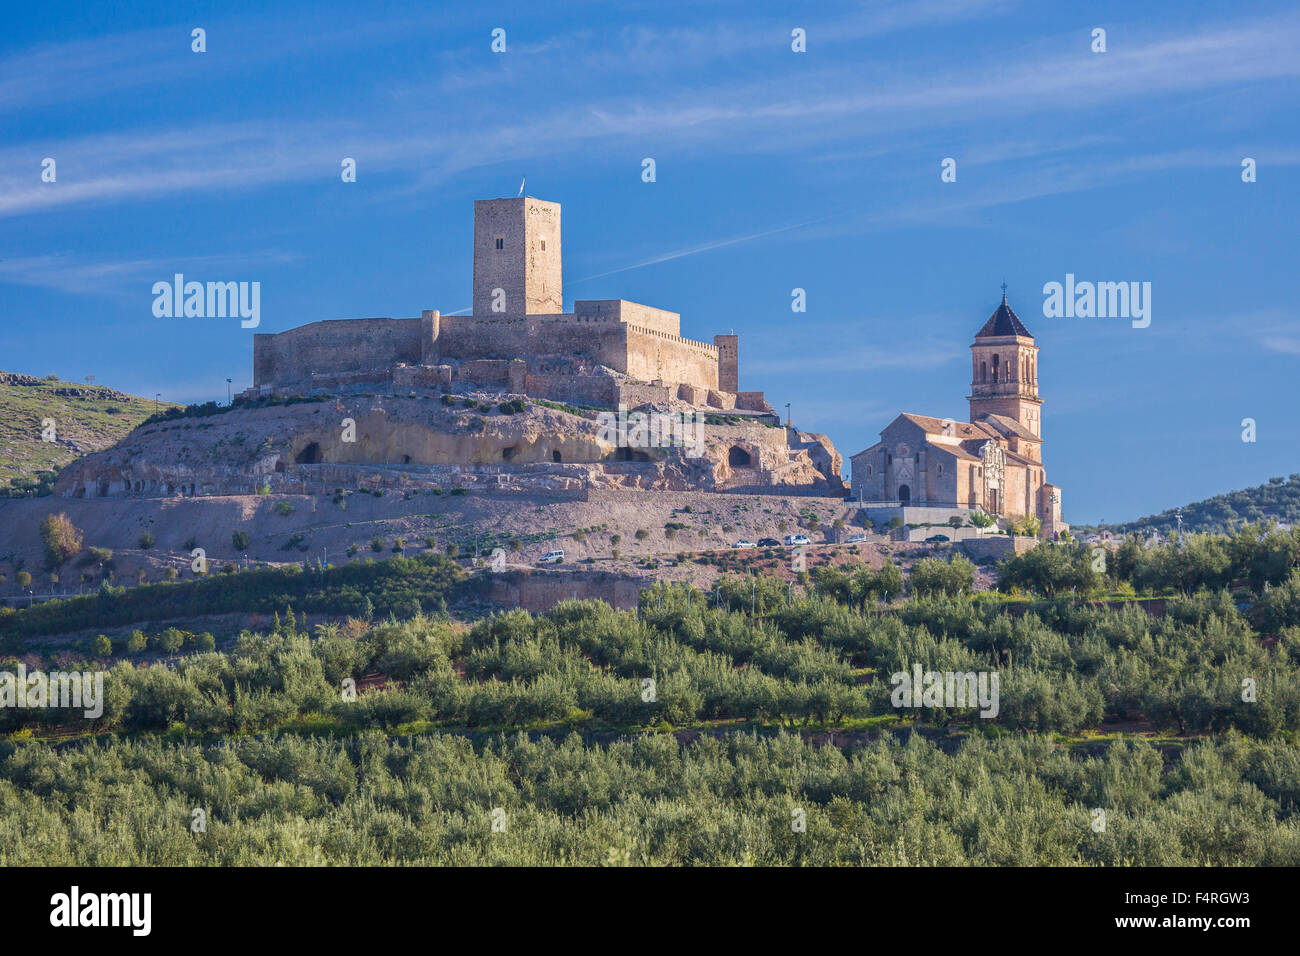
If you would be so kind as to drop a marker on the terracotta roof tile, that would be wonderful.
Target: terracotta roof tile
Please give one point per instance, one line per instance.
(1013, 426)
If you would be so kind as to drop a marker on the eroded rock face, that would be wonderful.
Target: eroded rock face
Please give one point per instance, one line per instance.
(411, 435)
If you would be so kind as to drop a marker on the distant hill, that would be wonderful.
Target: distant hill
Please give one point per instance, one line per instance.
(86, 418)
(1278, 500)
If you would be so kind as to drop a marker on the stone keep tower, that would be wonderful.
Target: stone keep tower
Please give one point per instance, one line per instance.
(1004, 371)
(728, 347)
(517, 251)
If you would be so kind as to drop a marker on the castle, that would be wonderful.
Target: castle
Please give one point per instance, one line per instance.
(381, 374)
(923, 468)
(518, 338)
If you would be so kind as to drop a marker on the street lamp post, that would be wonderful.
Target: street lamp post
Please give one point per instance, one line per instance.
(227, 393)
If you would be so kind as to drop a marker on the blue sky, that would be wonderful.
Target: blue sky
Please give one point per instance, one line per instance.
(775, 170)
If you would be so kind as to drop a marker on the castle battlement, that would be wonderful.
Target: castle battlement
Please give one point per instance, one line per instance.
(705, 347)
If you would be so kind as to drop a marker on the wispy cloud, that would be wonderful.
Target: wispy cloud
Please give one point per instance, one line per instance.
(705, 247)
(79, 275)
(1273, 329)
(835, 104)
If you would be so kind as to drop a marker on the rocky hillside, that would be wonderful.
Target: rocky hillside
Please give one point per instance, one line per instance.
(386, 437)
(85, 418)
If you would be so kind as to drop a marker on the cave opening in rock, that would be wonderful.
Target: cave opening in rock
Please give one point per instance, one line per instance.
(631, 454)
(555, 456)
(310, 455)
(739, 458)
(508, 453)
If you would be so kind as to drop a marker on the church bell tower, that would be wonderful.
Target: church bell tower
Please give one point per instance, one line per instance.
(1004, 371)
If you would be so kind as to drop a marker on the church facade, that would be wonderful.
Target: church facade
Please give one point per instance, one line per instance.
(992, 463)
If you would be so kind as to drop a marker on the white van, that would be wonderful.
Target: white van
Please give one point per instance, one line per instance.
(796, 539)
(551, 557)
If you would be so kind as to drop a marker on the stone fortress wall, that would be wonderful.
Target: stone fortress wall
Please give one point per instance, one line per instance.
(517, 317)
(338, 345)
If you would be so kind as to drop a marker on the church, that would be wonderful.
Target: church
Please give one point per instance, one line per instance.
(923, 466)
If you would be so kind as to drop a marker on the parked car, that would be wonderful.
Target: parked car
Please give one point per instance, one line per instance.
(768, 543)
(551, 557)
(796, 539)
(855, 538)
(743, 544)
(936, 537)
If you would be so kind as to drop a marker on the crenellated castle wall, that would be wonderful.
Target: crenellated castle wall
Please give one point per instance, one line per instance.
(657, 356)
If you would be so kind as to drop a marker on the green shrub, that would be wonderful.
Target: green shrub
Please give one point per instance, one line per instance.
(170, 641)
(61, 538)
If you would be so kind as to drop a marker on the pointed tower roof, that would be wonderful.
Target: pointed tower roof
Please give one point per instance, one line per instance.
(1003, 322)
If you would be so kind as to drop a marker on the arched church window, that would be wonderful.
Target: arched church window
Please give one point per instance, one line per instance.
(984, 371)
(940, 469)
(995, 368)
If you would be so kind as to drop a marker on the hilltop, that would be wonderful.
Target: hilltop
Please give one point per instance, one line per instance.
(86, 418)
(1278, 500)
